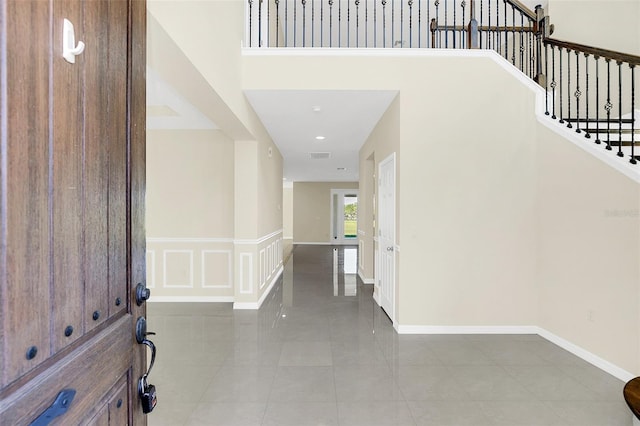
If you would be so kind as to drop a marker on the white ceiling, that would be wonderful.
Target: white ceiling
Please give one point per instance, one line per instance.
(345, 118)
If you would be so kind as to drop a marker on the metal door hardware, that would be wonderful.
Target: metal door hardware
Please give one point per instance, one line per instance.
(142, 294)
(59, 407)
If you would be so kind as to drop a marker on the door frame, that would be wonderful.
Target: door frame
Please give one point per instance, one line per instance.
(341, 240)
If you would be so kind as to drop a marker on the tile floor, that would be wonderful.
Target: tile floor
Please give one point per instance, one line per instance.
(320, 352)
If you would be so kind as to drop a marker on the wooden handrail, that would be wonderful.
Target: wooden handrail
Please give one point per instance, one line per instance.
(522, 8)
(595, 51)
(509, 29)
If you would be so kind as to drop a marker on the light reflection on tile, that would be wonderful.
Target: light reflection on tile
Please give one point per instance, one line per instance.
(320, 353)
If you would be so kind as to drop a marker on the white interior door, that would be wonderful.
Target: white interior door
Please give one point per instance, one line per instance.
(387, 234)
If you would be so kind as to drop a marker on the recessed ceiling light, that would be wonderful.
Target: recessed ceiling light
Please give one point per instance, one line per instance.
(316, 108)
(320, 138)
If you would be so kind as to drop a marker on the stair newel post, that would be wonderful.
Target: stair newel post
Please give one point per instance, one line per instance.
(540, 77)
(472, 29)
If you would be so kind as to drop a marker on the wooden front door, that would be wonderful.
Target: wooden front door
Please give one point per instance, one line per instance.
(72, 146)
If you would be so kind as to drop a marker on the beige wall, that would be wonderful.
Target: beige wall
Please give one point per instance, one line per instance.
(312, 210)
(493, 229)
(287, 212)
(588, 252)
(464, 178)
(199, 41)
(190, 213)
(608, 24)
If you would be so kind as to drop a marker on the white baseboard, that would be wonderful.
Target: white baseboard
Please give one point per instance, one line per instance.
(245, 305)
(591, 358)
(463, 329)
(256, 305)
(365, 280)
(183, 299)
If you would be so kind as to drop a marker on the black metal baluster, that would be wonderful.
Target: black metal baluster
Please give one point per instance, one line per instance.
(393, 23)
(463, 34)
(481, 20)
(357, 2)
(277, 2)
(489, 24)
(521, 42)
(268, 23)
(531, 51)
(410, 23)
(419, 23)
(313, 22)
(446, 30)
(560, 85)
(546, 76)
(434, 24)
(401, 24)
(339, 23)
(578, 93)
(304, 23)
(608, 105)
(513, 35)
(375, 25)
(506, 34)
(349, 23)
(321, 23)
(597, 58)
(366, 23)
(250, 22)
(620, 154)
(286, 23)
(497, 45)
(295, 23)
(429, 20)
(587, 134)
(553, 81)
(384, 19)
(569, 125)
(454, 24)
(633, 114)
(259, 23)
(330, 23)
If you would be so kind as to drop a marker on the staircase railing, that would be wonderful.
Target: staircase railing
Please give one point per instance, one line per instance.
(593, 90)
(589, 89)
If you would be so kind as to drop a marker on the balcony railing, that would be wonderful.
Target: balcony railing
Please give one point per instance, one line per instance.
(589, 89)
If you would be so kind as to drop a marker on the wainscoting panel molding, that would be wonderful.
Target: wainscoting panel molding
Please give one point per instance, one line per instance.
(246, 273)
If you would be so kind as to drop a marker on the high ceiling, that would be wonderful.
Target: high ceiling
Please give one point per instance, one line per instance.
(330, 125)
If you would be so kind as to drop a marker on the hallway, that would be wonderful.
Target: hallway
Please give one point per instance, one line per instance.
(321, 352)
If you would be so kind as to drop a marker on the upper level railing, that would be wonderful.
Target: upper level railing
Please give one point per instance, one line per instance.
(593, 90)
(589, 89)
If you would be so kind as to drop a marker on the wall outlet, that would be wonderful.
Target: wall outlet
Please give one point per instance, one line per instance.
(591, 315)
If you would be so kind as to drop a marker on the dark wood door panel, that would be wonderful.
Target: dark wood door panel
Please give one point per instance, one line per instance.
(72, 243)
(67, 182)
(92, 370)
(24, 265)
(105, 91)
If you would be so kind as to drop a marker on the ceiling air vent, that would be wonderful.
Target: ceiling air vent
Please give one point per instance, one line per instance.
(319, 155)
